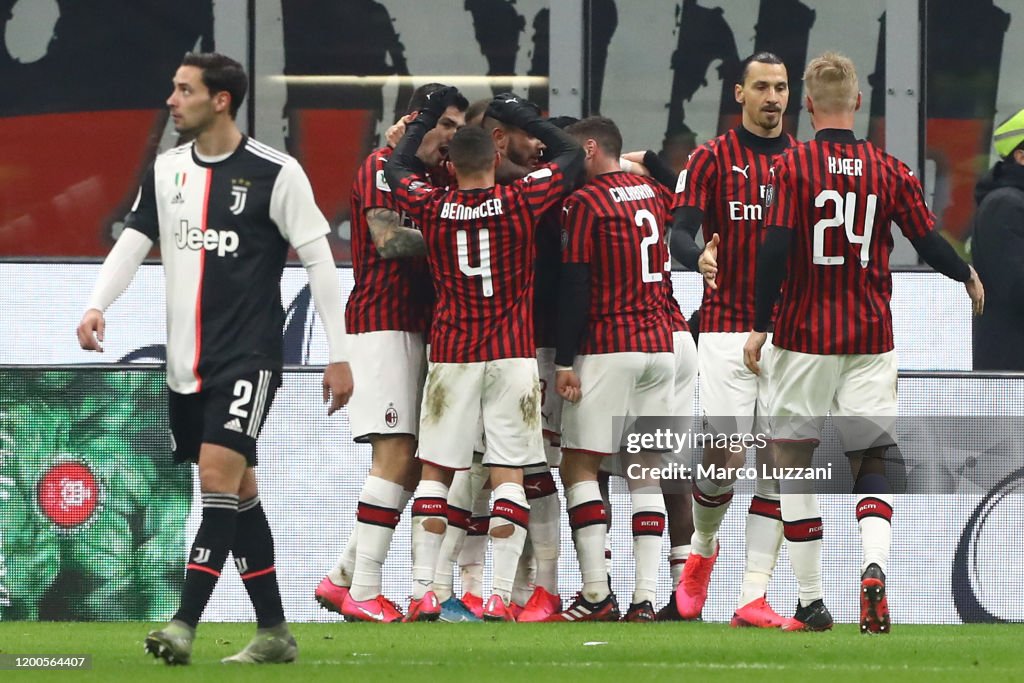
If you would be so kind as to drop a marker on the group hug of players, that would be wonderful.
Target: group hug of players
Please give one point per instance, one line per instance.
(513, 298)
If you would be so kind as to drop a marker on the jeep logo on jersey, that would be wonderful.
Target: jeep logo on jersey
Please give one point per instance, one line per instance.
(239, 190)
(221, 241)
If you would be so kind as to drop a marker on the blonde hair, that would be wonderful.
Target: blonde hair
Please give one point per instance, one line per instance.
(831, 81)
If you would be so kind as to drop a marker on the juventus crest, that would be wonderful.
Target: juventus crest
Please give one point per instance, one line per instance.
(239, 191)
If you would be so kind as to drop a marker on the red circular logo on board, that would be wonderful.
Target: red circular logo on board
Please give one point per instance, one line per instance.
(68, 494)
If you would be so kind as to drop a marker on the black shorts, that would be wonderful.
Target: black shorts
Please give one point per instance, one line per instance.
(230, 414)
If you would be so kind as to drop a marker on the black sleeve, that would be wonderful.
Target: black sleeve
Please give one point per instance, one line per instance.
(562, 150)
(143, 215)
(404, 162)
(694, 323)
(771, 271)
(660, 171)
(939, 254)
(686, 221)
(573, 305)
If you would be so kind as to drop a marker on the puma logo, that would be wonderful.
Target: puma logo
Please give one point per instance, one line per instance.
(742, 171)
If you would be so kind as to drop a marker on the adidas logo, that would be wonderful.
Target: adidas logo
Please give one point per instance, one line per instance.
(234, 425)
(178, 199)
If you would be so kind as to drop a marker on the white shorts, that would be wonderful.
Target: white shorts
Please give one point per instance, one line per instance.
(550, 401)
(682, 391)
(615, 385)
(686, 374)
(387, 372)
(505, 393)
(859, 391)
(733, 400)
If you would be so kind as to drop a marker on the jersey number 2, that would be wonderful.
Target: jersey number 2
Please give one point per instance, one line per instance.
(845, 214)
(243, 393)
(483, 270)
(644, 217)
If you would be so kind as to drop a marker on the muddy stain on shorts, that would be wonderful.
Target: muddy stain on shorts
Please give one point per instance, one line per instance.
(436, 399)
(529, 406)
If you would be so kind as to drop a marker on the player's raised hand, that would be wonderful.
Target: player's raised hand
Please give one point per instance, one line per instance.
(513, 110)
(752, 351)
(397, 130)
(567, 384)
(337, 385)
(707, 264)
(90, 330)
(976, 291)
(441, 99)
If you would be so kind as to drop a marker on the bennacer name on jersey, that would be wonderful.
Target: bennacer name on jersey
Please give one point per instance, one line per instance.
(460, 212)
(222, 242)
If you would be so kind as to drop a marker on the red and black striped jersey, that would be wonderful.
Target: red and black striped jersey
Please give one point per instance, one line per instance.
(389, 294)
(838, 195)
(616, 224)
(224, 229)
(726, 178)
(481, 251)
(676, 319)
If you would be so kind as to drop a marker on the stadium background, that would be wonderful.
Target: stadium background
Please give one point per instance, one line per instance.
(86, 497)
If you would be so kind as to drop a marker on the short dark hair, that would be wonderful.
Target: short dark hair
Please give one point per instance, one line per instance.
(220, 73)
(601, 129)
(762, 57)
(419, 98)
(471, 150)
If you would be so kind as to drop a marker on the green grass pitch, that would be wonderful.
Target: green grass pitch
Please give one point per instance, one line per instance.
(537, 653)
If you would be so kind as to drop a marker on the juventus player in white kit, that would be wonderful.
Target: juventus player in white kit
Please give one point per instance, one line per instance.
(225, 209)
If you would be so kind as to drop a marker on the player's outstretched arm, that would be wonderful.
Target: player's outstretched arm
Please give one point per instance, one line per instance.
(682, 243)
(648, 163)
(707, 264)
(397, 130)
(573, 305)
(633, 162)
(940, 255)
(391, 239)
(771, 271)
(318, 261)
(116, 274)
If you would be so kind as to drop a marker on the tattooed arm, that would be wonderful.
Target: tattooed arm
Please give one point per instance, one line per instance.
(391, 239)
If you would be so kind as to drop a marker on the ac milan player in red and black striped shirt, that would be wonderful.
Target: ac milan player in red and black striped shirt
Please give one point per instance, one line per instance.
(828, 217)
(480, 246)
(614, 357)
(721, 190)
(388, 313)
(678, 493)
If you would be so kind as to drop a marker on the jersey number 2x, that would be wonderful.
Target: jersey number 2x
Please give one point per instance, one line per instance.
(845, 214)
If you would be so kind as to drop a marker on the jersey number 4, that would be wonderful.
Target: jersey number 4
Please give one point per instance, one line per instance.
(643, 218)
(844, 214)
(483, 270)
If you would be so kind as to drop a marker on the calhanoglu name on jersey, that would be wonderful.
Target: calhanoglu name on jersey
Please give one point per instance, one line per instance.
(764, 473)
